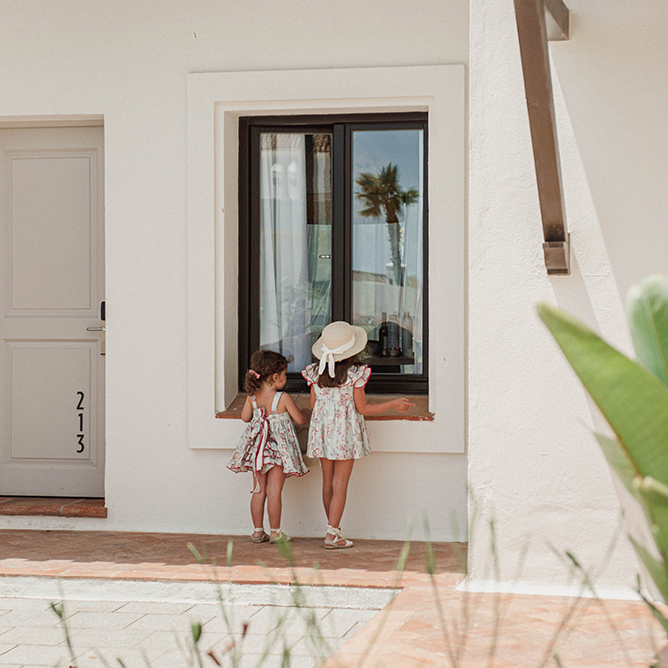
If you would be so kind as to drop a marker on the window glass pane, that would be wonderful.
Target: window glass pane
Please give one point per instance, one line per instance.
(387, 236)
(295, 242)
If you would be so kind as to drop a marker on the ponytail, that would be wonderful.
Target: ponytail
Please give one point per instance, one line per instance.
(252, 382)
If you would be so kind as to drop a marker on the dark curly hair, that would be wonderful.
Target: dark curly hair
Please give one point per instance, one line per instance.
(341, 369)
(265, 363)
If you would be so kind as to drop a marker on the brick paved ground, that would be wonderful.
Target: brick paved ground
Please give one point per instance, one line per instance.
(503, 631)
(429, 623)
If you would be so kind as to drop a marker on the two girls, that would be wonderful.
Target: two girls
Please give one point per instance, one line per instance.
(337, 435)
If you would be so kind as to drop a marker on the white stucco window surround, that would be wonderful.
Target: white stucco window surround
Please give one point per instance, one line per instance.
(216, 101)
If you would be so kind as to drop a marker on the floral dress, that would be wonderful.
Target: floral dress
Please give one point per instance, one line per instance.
(269, 440)
(337, 429)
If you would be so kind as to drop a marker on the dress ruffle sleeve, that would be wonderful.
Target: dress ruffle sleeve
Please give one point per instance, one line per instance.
(359, 376)
(310, 373)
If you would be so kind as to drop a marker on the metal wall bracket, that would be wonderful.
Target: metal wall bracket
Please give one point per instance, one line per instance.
(558, 257)
(532, 31)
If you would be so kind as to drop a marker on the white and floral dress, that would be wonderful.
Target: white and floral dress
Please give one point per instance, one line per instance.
(337, 429)
(269, 440)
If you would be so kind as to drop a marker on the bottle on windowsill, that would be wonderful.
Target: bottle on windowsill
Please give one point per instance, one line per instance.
(393, 341)
(407, 335)
(383, 350)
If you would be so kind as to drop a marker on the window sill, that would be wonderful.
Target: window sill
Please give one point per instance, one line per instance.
(419, 412)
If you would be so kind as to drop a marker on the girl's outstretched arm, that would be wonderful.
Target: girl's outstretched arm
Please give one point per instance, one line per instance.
(247, 410)
(400, 404)
(291, 407)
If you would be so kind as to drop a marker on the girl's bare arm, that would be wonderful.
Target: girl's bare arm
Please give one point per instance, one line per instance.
(312, 397)
(401, 404)
(291, 407)
(247, 410)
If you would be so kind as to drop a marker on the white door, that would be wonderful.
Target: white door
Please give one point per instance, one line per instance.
(51, 286)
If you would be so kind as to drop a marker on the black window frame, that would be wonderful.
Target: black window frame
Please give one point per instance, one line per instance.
(341, 127)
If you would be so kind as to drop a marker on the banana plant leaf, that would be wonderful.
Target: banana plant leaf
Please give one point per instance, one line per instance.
(655, 497)
(647, 311)
(658, 615)
(621, 464)
(656, 569)
(632, 399)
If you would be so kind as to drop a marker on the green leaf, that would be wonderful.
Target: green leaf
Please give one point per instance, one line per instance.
(647, 311)
(655, 611)
(655, 496)
(195, 552)
(632, 399)
(654, 492)
(230, 548)
(619, 461)
(656, 569)
(57, 608)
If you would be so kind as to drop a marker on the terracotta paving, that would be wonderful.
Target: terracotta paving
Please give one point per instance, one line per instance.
(52, 506)
(429, 623)
(162, 556)
(435, 625)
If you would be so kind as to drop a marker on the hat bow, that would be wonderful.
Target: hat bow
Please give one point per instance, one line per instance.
(327, 358)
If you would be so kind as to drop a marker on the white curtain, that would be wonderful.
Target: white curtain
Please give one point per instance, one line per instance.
(285, 309)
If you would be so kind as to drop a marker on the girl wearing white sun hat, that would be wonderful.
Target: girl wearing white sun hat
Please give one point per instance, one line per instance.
(337, 435)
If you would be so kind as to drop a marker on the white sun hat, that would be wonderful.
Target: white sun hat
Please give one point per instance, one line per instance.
(338, 341)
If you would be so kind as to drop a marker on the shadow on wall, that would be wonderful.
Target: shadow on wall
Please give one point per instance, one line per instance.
(610, 84)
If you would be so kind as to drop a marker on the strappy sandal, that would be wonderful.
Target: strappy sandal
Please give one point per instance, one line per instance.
(280, 537)
(335, 543)
(263, 538)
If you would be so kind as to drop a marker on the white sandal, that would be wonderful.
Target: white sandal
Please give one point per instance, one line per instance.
(335, 543)
(262, 538)
(279, 537)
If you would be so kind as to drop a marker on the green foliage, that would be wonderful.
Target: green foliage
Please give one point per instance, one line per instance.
(633, 397)
(196, 630)
(647, 308)
(621, 464)
(382, 193)
(656, 612)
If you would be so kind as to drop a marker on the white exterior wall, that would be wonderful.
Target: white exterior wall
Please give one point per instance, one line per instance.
(531, 457)
(532, 461)
(129, 61)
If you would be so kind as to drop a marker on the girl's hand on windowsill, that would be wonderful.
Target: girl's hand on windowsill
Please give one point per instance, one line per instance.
(401, 404)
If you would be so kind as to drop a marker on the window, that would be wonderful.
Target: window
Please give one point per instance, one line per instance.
(333, 226)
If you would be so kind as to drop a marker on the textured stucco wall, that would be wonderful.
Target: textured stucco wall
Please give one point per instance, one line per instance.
(128, 60)
(532, 461)
(533, 464)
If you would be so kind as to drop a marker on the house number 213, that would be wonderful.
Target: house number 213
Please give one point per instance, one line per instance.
(80, 435)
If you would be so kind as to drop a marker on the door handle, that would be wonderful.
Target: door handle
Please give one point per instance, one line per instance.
(103, 337)
(102, 330)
